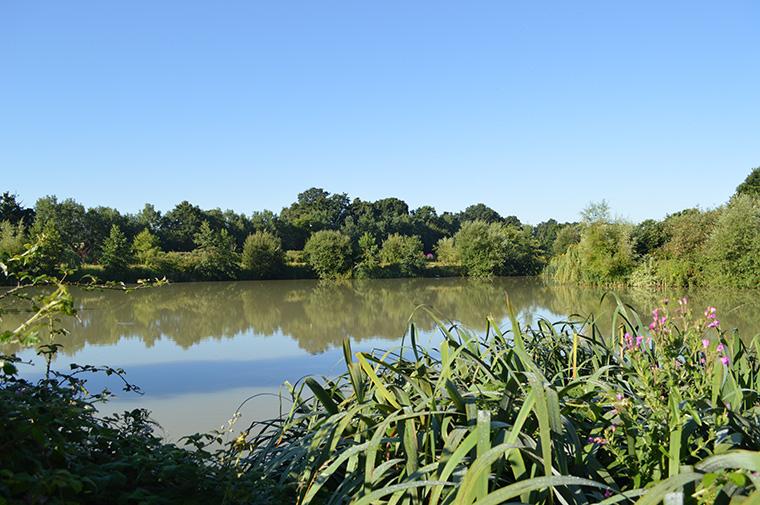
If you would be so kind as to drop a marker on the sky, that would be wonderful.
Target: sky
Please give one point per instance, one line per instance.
(534, 108)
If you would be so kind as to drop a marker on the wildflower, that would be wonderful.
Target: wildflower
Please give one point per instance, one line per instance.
(705, 343)
(639, 340)
(714, 324)
(607, 493)
(720, 348)
(710, 312)
(702, 361)
(619, 396)
(724, 360)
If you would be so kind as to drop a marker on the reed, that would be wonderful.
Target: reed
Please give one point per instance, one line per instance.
(555, 413)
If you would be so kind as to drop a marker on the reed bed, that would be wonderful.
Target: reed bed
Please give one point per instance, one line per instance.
(558, 413)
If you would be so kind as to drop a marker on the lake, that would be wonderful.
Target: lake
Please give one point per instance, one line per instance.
(199, 349)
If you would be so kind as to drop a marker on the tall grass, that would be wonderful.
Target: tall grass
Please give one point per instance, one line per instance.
(552, 414)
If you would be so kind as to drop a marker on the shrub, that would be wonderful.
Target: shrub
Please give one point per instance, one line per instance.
(369, 257)
(404, 253)
(446, 252)
(116, 251)
(146, 248)
(11, 239)
(216, 255)
(295, 257)
(262, 256)
(751, 185)
(733, 248)
(567, 236)
(329, 254)
(606, 253)
(497, 249)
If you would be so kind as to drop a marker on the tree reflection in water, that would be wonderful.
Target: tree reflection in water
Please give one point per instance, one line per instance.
(320, 315)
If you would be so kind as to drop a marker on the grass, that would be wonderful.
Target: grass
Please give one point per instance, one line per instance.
(558, 413)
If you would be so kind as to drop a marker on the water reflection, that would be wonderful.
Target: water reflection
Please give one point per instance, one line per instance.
(319, 316)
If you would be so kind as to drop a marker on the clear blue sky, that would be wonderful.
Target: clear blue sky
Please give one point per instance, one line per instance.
(534, 108)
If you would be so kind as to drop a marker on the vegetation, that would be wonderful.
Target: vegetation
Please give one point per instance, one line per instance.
(554, 413)
(329, 254)
(262, 256)
(404, 254)
(690, 247)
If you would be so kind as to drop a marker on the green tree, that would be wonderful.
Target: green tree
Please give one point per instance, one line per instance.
(12, 211)
(50, 255)
(315, 210)
(116, 251)
(68, 218)
(262, 256)
(480, 212)
(751, 185)
(648, 236)
(180, 226)
(566, 237)
(146, 248)
(215, 254)
(329, 254)
(403, 253)
(12, 239)
(369, 253)
(596, 212)
(446, 252)
(733, 248)
(606, 253)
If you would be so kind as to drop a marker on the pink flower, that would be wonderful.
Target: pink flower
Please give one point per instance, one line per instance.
(619, 396)
(724, 360)
(702, 361)
(705, 343)
(720, 348)
(639, 340)
(714, 324)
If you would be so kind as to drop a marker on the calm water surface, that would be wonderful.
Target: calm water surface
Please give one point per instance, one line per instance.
(199, 349)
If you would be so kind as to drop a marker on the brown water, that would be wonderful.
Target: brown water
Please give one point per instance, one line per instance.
(199, 349)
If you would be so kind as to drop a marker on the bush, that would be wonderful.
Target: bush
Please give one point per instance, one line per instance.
(262, 256)
(11, 239)
(497, 249)
(446, 252)
(404, 253)
(146, 248)
(216, 255)
(295, 257)
(733, 248)
(116, 251)
(329, 254)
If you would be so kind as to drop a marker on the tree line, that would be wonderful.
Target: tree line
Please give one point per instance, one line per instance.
(330, 236)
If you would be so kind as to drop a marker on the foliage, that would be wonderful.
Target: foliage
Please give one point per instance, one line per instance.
(57, 449)
(404, 253)
(116, 251)
(552, 414)
(751, 185)
(446, 252)
(567, 236)
(648, 236)
(480, 212)
(369, 257)
(604, 256)
(329, 253)
(146, 248)
(497, 249)
(13, 211)
(12, 239)
(216, 254)
(733, 248)
(262, 256)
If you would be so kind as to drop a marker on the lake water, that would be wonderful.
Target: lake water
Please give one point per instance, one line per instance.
(199, 349)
